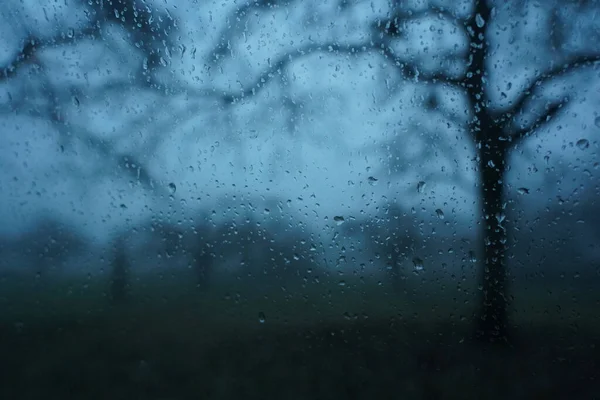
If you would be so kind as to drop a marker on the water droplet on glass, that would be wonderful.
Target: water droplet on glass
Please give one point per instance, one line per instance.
(261, 317)
(523, 190)
(472, 257)
(418, 264)
(421, 186)
(75, 101)
(267, 211)
(439, 213)
(597, 122)
(479, 21)
(172, 188)
(71, 33)
(338, 219)
(342, 283)
(372, 180)
(582, 144)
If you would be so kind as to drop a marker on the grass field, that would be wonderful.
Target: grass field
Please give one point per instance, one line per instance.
(350, 339)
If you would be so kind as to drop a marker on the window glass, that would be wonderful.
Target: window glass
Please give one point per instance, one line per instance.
(299, 199)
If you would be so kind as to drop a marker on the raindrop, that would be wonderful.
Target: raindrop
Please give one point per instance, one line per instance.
(479, 21)
(261, 317)
(472, 257)
(75, 101)
(338, 219)
(439, 213)
(523, 190)
(172, 188)
(372, 180)
(597, 122)
(421, 186)
(418, 264)
(342, 283)
(582, 144)
(71, 33)
(267, 211)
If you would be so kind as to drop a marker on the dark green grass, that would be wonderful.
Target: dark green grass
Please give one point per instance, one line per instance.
(63, 339)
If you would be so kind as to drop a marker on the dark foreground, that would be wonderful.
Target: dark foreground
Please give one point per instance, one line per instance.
(359, 359)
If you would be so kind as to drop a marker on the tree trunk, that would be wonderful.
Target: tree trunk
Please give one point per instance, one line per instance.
(120, 280)
(203, 267)
(492, 322)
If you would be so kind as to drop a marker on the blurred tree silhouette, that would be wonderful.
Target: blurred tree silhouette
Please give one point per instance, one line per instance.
(498, 126)
(147, 29)
(46, 247)
(34, 91)
(497, 123)
(262, 254)
(501, 112)
(120, 279)
(392, 237)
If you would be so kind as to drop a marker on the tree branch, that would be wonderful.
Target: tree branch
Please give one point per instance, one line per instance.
(126, 162)
(411, 71)
(32, 46)
(550, 112)
(518, 106)
(235, 24)
(406, 68)
(392, 26)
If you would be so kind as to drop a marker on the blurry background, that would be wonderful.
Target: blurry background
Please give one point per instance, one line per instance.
(291, 161)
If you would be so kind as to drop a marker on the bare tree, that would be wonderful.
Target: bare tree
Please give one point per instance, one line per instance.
(495, 129)
(498, 121)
